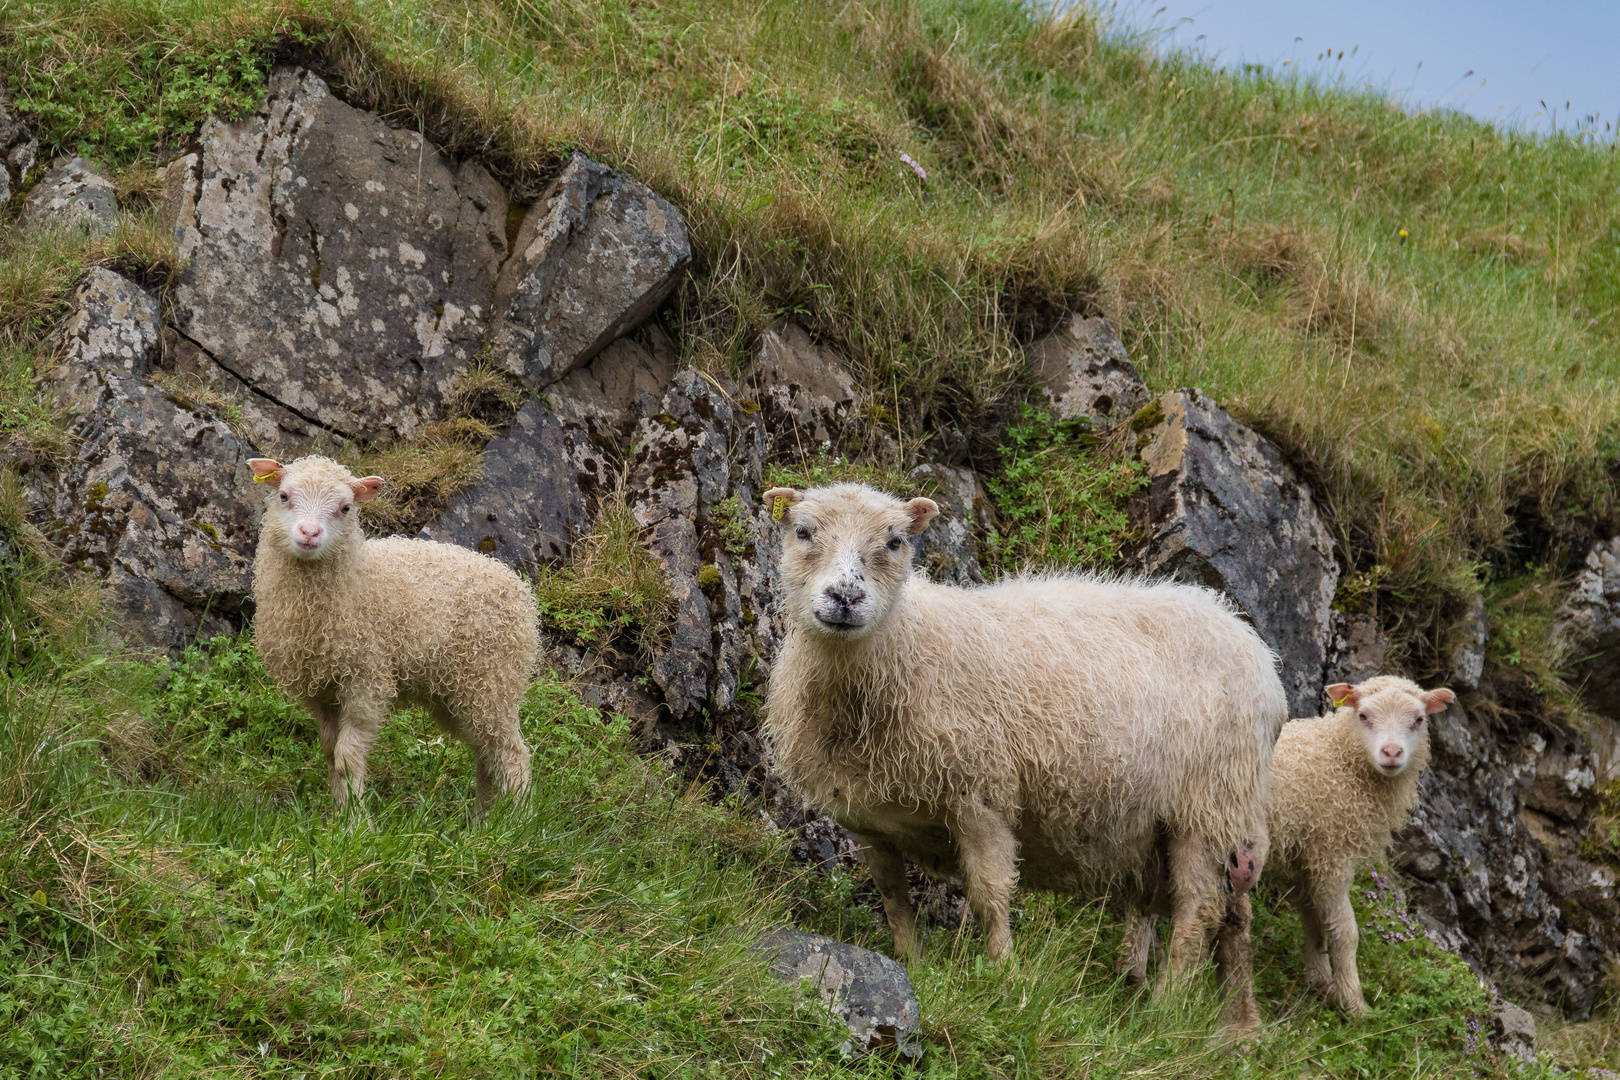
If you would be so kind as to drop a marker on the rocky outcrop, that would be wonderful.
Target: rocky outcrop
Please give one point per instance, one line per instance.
(153, 500)
(1224, 509)
(17, 151)
(71, 195)
(806, 395)
(1591, 618)
(594, 257)
(948, 550)
(1355, 653)
(869, 992)
(1085, 372)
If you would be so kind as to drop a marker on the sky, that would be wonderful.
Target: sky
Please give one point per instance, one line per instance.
(1496, 59)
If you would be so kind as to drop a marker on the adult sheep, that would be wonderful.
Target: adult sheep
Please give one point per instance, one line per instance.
(349, 625)
(1061, 729)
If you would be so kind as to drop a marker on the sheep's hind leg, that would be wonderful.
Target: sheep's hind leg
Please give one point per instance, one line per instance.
(1195, 904)
(1141, 930)
(327, 726)
(1234, 961)
(1339, 922)
(989, 859)
(1318, 972)
(888, 869)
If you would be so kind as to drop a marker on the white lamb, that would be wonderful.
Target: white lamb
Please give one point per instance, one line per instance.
(1341, 784)
(1066, 730)
(349, 625)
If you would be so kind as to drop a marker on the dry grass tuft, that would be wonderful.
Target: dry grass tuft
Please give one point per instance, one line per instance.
(421, 474)
(613, 590)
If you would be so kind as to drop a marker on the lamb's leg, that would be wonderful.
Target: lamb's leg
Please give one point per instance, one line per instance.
(1195, 904)
(888, 869)
(1339, 923)
(1318, 972)
(327, 726)
(1234, 961)
(989, 857)
(360, 719)
(501, 759)
(1141, 927)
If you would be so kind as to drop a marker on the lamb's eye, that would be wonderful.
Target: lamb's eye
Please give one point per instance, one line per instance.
(283, 496)
(895, 543)
(1363, 717)
(802, 533)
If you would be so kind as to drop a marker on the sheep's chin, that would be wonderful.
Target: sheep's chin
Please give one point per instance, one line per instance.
(305, 554)
(1393, 770)
(840, 631)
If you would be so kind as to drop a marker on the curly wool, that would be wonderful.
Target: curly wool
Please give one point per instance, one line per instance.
(375, 621)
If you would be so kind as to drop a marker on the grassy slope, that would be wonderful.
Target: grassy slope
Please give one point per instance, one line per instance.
(1242, 231)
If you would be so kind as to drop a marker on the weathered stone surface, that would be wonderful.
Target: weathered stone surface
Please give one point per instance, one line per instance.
(154, 498)
(1515, 1031)
(623, 383)
(71, 194)
(530, 504)
(594, 257)
(680, 473)
(948, 550)
(1468, 649)
(869, 992)
(1591, 617)
(1356, 648)
(1223, 509)
(1085, 372)
(806, 394)
(339, 266)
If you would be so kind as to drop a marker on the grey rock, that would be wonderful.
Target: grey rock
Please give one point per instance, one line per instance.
(1223, 509)
(623, 383)
(156, 498)
(948, 550)
(529, 505)
(806, 394)
(340, 267)
(869, 992)
(680, 473)
(1515, 1031)
(72, 194)
(1085, 372)
(1356, 648)
(593, 258)
(21, 159)
(13, 130)
(1468, 651)
(1590, 616)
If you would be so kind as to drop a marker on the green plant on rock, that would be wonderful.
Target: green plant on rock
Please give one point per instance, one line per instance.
(1061, 495)
(825, 468)
(613, 589)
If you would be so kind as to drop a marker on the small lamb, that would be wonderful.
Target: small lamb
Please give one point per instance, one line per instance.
(349, 625)
(1341, 784)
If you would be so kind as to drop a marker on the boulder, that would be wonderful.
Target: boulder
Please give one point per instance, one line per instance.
(948, 550)
(529, 505)
(595, 255)
(806, 394)
(1356, 648)
(1591, 617)
(155, 499)
(340, 267)
(869, 992)
(1085, 372)
(623, 383)
(1467, 659)
(1515, 1031)
(71, 194)
(1224, 509)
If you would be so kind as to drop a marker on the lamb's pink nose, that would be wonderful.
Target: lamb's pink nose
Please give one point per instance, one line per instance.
(1391, 754)
(309, 533)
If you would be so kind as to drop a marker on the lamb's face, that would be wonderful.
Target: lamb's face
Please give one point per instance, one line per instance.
(314, 505)
(1392, 713)
(845, 555)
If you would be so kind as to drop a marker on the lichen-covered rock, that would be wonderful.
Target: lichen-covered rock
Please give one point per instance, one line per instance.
(153, 499)
(1468, 647)
(1591, 616)
(71, 194)
(1223, 509)
(529, 504)
(948, 550)
(869, 992)
(340, 267)
(681, 473)
(593, 258)
(622, 384)
(1356, 648)
(1085, 372)
(806, 394)
(1515, 1031)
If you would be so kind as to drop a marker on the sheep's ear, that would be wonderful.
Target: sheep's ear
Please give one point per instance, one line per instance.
(1437, 700)
(1342, 694)
(265, 470)
(367, 487)
(780, 500)
(922, 511)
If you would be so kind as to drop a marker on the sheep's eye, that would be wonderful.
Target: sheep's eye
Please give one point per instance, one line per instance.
(1363, 717)
(283, 496)
(802, 533)
(345, 508)
(894, 543)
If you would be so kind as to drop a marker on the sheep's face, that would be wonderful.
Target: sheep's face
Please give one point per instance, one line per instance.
(846, 555)
(1392, 715)
(313, 506)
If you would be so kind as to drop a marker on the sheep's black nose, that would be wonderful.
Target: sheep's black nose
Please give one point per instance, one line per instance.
(845, 595)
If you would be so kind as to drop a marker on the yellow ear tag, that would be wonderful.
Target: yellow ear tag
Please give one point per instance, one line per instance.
(779, 507)
(265, 479)
(1341, 702)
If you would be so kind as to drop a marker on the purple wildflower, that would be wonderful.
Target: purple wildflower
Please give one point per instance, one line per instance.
(916, 168)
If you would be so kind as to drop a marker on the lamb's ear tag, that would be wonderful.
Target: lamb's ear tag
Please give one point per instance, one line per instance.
(265, 479)
(779, 506)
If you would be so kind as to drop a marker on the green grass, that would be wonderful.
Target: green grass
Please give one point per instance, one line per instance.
(179, 898)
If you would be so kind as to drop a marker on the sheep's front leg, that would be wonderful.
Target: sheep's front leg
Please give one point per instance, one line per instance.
(1195, 905)
(888, 869)
(327, 726)
(1318, 972)
(360, 719)
(1136, 946)
(989, 859)
(1339, 922)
